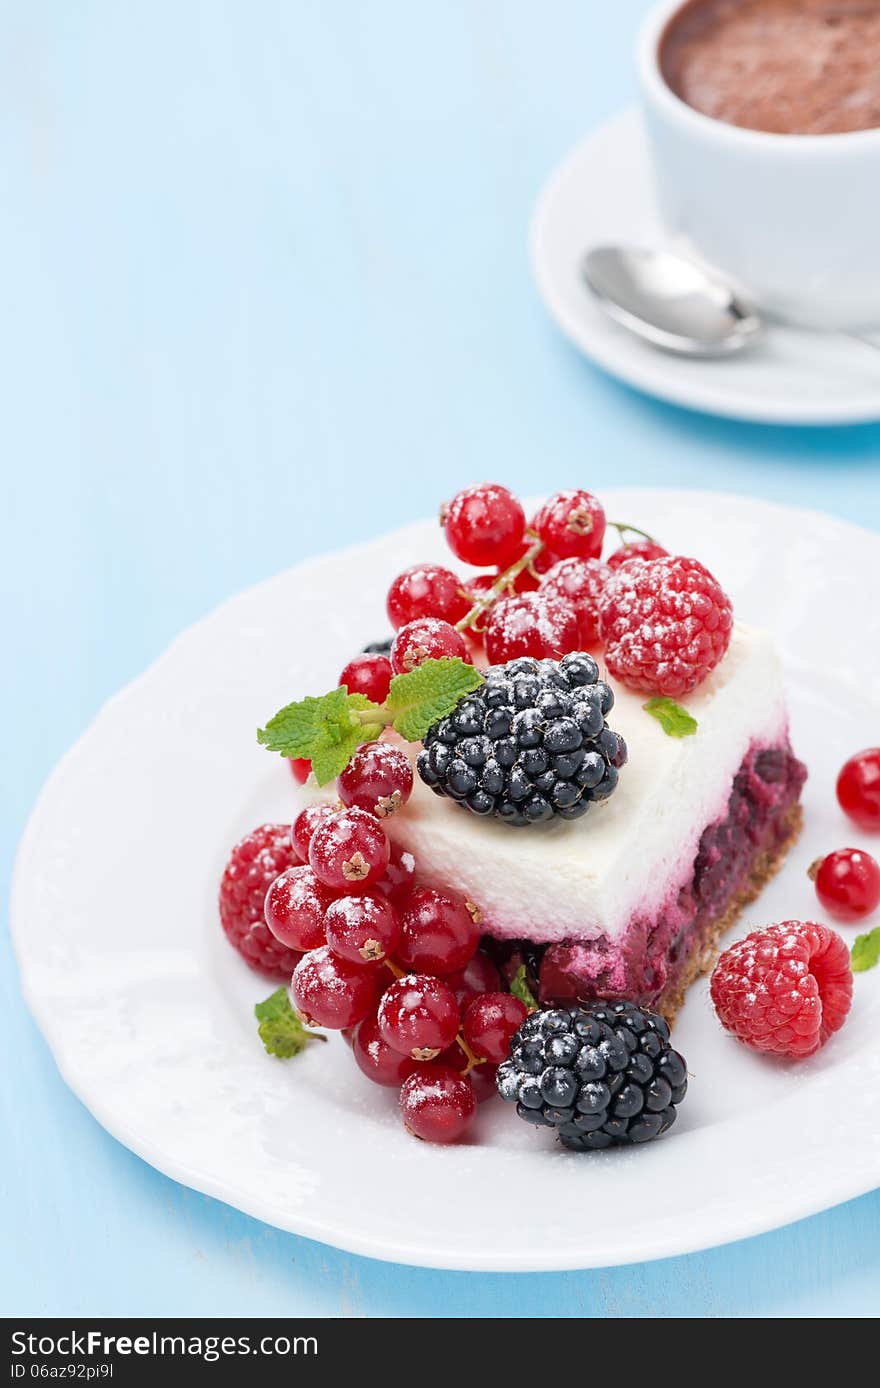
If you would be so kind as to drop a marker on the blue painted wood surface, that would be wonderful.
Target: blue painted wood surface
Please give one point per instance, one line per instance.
(265, 292)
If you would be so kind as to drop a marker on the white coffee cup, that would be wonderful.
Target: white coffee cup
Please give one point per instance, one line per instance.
(794, 220)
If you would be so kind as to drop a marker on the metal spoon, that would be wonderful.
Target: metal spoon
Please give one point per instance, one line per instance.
(674, 303)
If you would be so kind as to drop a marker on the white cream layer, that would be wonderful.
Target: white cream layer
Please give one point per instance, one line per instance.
(589, 877)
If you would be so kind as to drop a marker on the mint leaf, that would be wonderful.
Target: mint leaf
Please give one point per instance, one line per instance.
(673, 719)
(520, 989)
(281, 1028)
(416, 701)
(326, 730)
(340, 738)
(295, 728)
(866, 951)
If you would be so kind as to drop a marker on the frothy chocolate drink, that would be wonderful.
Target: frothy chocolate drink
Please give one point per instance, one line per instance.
(795, 67)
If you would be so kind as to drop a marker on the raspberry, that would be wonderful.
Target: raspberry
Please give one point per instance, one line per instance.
(638, 549)
(579, 583)
(785, 988)
(530, 625)
(571, 523)
(253, 865)
(666, 624)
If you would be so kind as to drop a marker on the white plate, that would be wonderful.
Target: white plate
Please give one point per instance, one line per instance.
(148, 1010)
(603, 192)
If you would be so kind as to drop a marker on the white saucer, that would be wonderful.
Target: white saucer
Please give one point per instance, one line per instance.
(603, 191)
(149, 1013)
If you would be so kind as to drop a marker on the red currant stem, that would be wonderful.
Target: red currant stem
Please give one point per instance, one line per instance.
(501, 585)
(473, 1060)
(623, 530)
(395, 968)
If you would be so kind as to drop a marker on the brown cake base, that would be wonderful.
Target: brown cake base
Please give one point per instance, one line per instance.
(706, 942)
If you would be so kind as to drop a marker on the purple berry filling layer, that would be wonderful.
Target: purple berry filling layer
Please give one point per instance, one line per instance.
(735, 855)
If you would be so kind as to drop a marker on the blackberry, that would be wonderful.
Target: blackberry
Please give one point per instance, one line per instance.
(530, 744)
(600, 1074)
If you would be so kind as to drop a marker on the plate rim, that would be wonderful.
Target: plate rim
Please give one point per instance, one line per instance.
(843, 1183)
(710, 401)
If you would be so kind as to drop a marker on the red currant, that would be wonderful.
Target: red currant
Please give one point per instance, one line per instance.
(479, 585)
(638, 549)
(305, 825)
(530, 625)
(482, 1077)
(363, 928)
(490, 1022)
(426, 639)
(300, 768)
(847, 883)
(437, 1104)
(378, 1061)
(479, 975)
(295, 907)
(368, 674)
(439, 932)
(349, 851)
(426, 590)
(484, 525)
(333, 992)
(858, 788)
(571, 523)
(579, 583)
(418, 1016)
(379, 779)
(399, 875)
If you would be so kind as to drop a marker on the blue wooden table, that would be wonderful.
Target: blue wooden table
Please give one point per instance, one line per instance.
(266, 292)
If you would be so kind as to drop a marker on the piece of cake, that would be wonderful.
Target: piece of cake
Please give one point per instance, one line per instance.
(631, 900)
(545, 800)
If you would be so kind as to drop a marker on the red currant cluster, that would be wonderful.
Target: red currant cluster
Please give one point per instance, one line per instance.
(392, 963)
(548, 592)
(539, 596)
